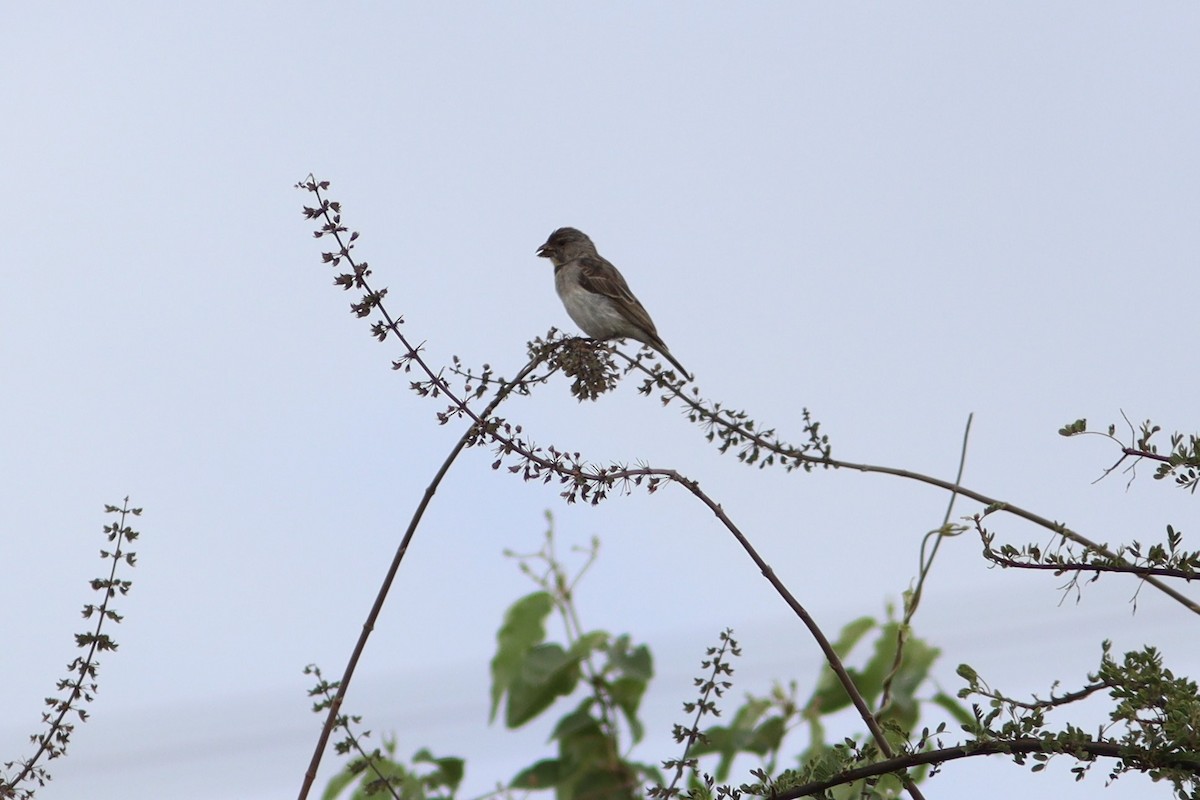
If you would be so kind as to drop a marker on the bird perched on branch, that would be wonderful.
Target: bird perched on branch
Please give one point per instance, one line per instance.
(595, 294)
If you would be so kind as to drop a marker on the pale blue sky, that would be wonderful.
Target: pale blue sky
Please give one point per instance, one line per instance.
(892, 214)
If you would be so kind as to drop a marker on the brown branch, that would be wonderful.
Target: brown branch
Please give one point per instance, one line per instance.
(1058, 569)
(992, 503)
(605, 477)
(1015, 746)
(831, 656)
(1129, 451)
(1053, 702)
(368, 626)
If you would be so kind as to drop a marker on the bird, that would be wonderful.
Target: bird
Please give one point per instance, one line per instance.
(596, 295)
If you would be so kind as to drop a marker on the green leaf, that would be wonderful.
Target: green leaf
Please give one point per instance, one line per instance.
(851, 633)
(749, 714)
(587, 644)
(585, 754)
(829, 696)
(627, 694)
(737, 738)
(337, 783)
(544, 663)
(720, 739)
(918, 658)
(1073, 428)
(870, 680)
(524, 626)
(545, 774)
(547, 672)
(767, 736)
(578, 720)
(635, 663)
(449, 772)
(601, 782)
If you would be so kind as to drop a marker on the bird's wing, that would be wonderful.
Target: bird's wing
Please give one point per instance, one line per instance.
(598, 275)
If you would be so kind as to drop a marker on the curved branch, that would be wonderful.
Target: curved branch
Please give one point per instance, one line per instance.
(799, 455)
(577, 476)
(335, 705)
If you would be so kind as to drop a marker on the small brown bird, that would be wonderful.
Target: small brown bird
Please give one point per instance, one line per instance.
(595, 294)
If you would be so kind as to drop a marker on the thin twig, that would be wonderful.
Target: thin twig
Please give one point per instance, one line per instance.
(368, 626)
(1053, 702)
(992, 503)
(926, 564)
(831, 656)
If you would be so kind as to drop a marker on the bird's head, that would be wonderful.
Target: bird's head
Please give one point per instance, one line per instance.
(566, 244)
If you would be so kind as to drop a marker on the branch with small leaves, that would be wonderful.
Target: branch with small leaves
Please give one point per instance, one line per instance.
(80, 687)
(1161, 560)
(326, 692)
(590, 363)
(710, 686)
(1155, 710)
(1182, 462)
(734, 430)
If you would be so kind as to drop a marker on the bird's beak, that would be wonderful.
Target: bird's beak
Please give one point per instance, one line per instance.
(544, 251)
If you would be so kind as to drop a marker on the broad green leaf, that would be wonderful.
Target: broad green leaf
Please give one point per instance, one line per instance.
(749, 714)
(737, 738)
(635, 663)
(587, 644)
(544, 662)
(337, 783)
(581, 744)
(397, 776)
(546, 673)
(917, 659)
(720, 739)
(542, 775)
(449, 771)
(600, 782)
(829, 696)
(851, 633)
(524, 626)
(578, 720)
(627, 694)
(767, 736)
(870, 680)
(649, 771)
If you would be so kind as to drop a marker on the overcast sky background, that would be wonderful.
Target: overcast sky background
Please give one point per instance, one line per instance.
(891, 214)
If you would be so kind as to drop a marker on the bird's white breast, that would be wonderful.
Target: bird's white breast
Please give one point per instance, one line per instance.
(597, 315)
